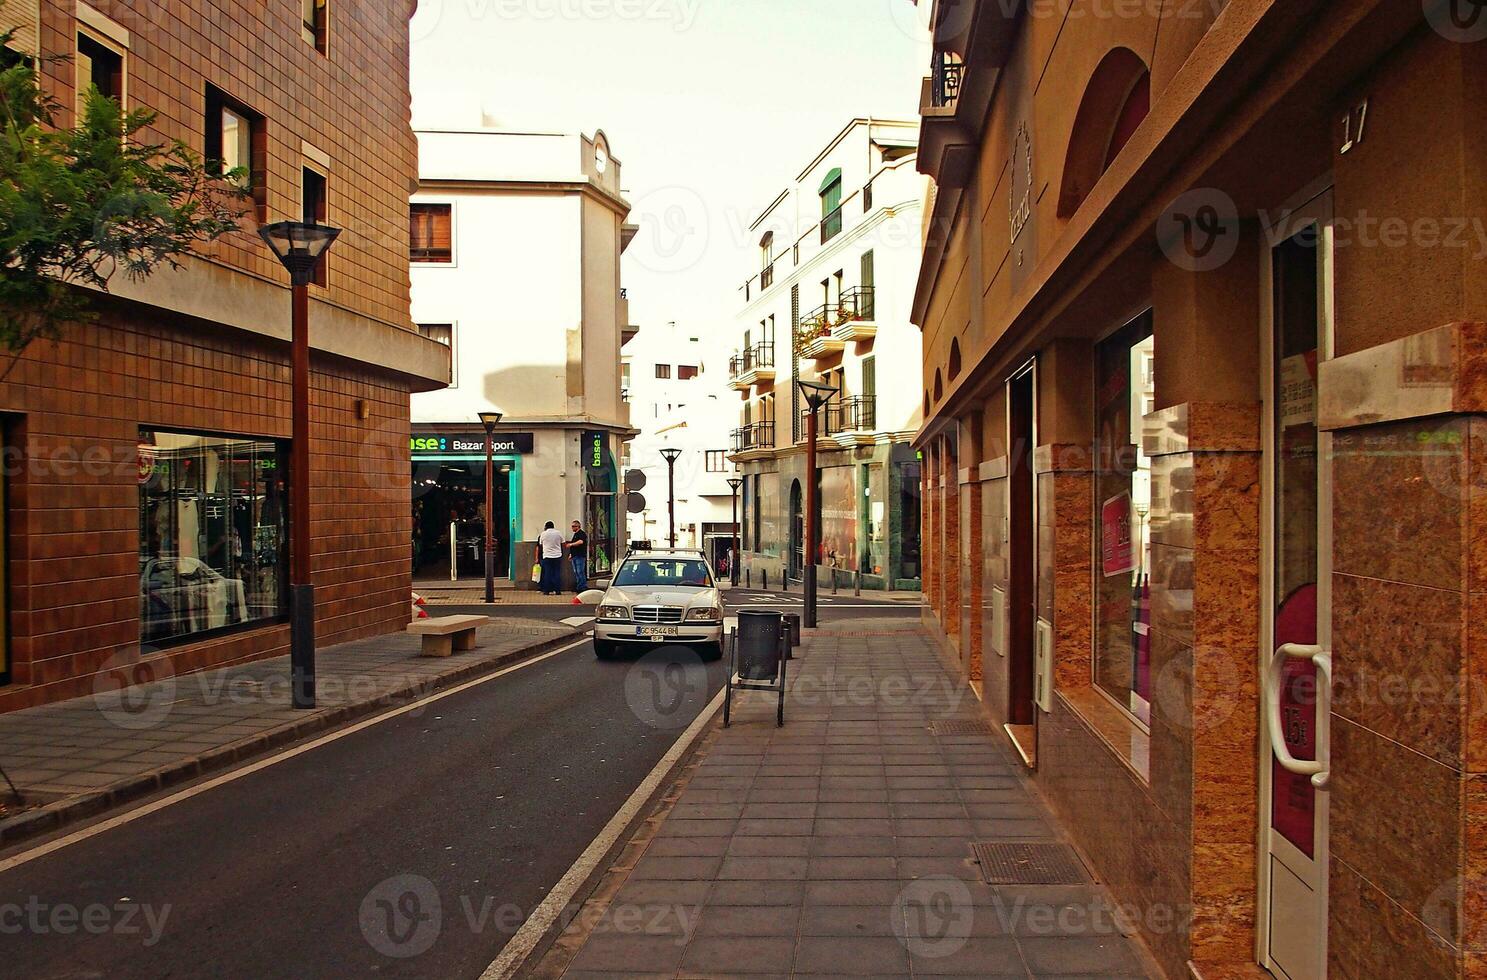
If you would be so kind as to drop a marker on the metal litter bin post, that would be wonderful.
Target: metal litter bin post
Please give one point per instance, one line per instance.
(792, 626)
(759, 646)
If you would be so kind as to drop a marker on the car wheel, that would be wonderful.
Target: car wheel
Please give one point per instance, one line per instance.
(604, 649)
(710, 651)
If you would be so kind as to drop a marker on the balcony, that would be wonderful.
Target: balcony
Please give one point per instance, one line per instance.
(831, 226)
(849, 421)
(828, 329)
(766, 277)
(753, 366)
(947, 72)
(757, 437)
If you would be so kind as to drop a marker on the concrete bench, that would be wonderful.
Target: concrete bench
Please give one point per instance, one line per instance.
(446, 634)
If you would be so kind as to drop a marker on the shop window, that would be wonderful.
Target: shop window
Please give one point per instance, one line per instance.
(213, 533)
(99, 66)
(431, 233)
(236, 144)
(313, 210)
(1124, 392)
(316, 24)
(717, 461)
(686, 372)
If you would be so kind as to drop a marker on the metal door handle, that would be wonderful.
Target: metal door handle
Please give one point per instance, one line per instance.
(1274, 678)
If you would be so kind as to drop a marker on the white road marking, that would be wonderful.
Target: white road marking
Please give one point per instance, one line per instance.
(211, 784)
(545, 915)
(576, 621)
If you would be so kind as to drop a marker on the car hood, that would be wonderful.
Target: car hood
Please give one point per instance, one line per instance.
(662, 595)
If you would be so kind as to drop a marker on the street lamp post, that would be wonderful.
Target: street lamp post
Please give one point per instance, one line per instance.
(489, 420)
(816, 396)
(670, 455)
(733, 485)
(299, 246)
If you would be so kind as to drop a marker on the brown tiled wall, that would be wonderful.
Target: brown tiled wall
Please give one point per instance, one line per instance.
(74, 539)
(254, 52)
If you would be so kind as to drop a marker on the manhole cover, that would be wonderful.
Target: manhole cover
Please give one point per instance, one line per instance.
(960, 728)
(1029, 864)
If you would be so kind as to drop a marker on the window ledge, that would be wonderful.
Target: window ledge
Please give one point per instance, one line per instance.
(1113, 727)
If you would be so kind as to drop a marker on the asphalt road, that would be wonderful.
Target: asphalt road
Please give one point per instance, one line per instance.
(442, 828)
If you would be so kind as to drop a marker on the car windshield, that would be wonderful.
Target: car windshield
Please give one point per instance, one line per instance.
(664, 571)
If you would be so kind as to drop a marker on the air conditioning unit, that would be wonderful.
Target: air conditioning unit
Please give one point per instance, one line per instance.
(1043, 665)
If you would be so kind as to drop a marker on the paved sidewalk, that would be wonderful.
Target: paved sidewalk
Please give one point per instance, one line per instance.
(75, 758)
(841, 844)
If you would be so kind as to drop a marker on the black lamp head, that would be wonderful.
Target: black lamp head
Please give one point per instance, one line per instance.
(298, 245)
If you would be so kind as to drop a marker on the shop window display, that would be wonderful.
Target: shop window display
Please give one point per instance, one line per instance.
(213, 533)
(1124, 392)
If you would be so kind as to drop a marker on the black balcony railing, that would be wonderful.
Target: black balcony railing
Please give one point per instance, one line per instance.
(949, 72)
(759, 435)
(856, 414)
(761, 355)
(831, 226)
(766, 278)
(859, 304)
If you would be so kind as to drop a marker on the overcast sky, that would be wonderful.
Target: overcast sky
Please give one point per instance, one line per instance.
(711, 106)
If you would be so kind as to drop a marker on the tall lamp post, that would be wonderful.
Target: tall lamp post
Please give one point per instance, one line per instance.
(733, 485)
(489, 420)
(299, 246)
(670, 455)
(816, 396)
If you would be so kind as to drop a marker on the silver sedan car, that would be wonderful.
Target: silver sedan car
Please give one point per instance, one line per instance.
(661, 597)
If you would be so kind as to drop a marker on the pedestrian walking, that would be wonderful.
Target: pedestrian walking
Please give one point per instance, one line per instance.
(578, 552)
(550, 547)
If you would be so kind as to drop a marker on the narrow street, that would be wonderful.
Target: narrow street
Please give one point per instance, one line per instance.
(490, 794)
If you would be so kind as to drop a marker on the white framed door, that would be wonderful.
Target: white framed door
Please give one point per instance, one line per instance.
(1296, 594)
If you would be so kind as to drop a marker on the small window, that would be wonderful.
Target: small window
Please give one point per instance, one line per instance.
(99, 66)
(686, 372)
(443, 333)
(313, 211)
(663, 370)
(430, 232)
(235, 141)
(717, 461)
(316, 23)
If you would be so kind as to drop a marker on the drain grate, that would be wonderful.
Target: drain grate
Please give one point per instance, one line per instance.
(1029, 864)
(960, 728)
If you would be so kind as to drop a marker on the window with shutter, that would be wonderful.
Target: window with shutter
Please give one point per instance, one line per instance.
(430, 232)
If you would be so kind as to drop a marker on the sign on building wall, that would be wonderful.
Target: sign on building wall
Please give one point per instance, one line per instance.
(593, 450)
(443, 444)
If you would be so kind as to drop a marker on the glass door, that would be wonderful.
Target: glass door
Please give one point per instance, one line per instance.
(1296, 600)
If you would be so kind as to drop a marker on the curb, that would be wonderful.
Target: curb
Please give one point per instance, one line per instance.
(61, 813)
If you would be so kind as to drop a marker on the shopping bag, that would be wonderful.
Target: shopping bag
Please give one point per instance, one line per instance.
(537, 571)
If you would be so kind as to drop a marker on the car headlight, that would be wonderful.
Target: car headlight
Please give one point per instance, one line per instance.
(704, 614)
(614, 612)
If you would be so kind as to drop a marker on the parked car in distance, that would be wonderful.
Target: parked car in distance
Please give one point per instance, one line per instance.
(662, 596)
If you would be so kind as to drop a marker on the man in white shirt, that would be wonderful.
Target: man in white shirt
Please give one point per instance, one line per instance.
(550, 547)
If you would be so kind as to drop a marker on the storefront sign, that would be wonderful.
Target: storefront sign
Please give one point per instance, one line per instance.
(1116, 544)
(593, 450)
(503, 444)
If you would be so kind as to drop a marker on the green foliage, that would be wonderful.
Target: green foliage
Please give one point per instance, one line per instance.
(78, 205)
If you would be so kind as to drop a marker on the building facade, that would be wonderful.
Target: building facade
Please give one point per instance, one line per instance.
(679, 399)
(534, 322)
(829, 300)
(1203, 310)
(145, 499)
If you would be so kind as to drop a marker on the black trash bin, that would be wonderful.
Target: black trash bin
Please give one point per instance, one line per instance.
(760, 647)
(758, 644)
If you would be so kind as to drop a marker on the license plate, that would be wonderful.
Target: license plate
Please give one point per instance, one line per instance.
(658, 631)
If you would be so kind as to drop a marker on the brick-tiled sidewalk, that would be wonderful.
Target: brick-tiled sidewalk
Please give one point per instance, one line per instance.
(841, 844)
(80, 756)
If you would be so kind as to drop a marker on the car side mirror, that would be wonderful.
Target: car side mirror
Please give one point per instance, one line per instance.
(592, 597)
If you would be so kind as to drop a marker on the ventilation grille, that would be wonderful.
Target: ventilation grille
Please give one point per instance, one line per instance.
(1029, 864)
(960, 728)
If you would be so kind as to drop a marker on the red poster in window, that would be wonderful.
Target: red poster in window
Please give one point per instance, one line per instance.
(1117, 548)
